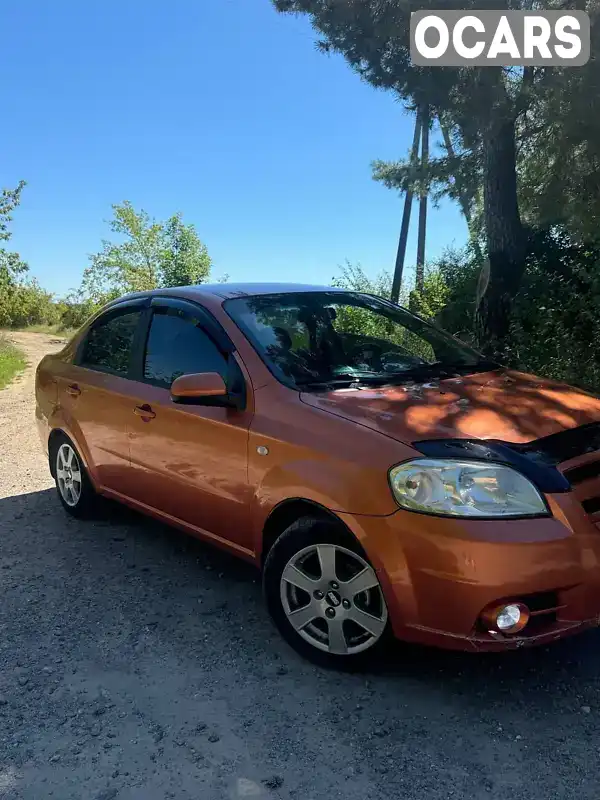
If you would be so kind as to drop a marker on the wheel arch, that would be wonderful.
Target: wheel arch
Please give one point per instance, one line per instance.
(289, 511)
(54, 436)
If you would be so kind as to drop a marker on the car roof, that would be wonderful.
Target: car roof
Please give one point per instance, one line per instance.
(229, 290)
(219, 292)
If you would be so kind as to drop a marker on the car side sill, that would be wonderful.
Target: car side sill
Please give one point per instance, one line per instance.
(199, 533)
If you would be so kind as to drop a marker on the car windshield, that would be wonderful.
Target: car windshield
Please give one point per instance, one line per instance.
(311, 339)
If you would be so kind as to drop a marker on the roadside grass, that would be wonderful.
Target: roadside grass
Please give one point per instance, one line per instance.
(12, 361)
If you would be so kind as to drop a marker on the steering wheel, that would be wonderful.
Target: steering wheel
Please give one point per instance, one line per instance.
(367, 351)
(401, 357)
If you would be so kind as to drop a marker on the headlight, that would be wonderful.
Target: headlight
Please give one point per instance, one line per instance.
(465, 489)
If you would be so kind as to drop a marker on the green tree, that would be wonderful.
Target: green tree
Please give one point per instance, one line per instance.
(12, 268)
(9, 200)
(22, 301)
(131, 265)
(353, 276)
(77, 307)
(184, 259)
(433, 298)
(559, 152)
(150, 254)
(483, 108)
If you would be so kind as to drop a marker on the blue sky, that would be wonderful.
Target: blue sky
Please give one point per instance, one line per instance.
(220, 109)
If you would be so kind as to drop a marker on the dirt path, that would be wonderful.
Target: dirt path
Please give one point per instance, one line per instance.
(18, 434)
(138, 664)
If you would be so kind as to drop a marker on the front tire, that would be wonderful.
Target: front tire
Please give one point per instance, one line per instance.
(324, 596)
(73, 486)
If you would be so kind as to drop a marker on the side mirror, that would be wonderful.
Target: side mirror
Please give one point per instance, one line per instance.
(199, 386)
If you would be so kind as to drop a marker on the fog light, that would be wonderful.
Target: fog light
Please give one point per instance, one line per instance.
(509, 618)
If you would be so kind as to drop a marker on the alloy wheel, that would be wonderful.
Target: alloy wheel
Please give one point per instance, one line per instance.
(68, 475)
(332, 598)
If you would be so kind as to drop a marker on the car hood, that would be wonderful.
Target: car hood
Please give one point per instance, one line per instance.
(506, 405)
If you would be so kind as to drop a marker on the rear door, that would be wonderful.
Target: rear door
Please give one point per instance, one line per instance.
(97, 393)
(190, 461)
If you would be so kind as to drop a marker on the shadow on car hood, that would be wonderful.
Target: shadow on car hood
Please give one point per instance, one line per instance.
(510, 406)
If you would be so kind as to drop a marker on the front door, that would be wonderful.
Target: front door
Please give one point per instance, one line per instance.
(189, 461)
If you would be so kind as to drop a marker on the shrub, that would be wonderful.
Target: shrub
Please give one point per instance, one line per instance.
(26, 303)
(74, 313)
(555, 316)
(12, 361)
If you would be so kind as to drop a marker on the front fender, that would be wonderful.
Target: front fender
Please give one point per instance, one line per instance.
(306, 479)
(340, 489)
(339, 486)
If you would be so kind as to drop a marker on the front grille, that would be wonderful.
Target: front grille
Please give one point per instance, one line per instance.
(566, 446)
(591, 505)
(585, 482)
(576, 475)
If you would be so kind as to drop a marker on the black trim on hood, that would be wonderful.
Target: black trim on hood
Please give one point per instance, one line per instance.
(563, 446)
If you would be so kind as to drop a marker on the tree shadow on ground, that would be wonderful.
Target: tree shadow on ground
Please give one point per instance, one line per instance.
(176, 632)
(177, 568)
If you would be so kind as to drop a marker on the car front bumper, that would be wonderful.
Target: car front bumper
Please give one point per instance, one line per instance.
(439, 574)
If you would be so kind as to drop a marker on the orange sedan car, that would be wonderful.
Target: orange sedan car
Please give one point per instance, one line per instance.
(384, 476)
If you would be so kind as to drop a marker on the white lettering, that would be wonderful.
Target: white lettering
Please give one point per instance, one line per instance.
(537, 32)
(457, 37)
(575, 41)
(503, 41)
(431, 21)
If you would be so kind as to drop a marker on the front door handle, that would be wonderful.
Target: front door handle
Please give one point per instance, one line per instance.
(73, 390)
(144, 411)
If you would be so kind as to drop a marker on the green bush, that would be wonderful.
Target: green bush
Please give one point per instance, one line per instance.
(12, 361)
(430, 302)
(555, 323)
(74, 313)
(555, 316)
(26, 303)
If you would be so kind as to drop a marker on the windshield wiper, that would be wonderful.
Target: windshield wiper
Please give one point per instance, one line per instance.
(368, 379)
(436, 370)
(441, 369)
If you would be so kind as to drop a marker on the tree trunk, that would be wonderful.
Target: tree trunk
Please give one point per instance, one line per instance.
(504, 233)
(401, 253)
(420, 268)
(463, 199)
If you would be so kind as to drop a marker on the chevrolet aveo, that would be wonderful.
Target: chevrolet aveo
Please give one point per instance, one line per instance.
(384, 476)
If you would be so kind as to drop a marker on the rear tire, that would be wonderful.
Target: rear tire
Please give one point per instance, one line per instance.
(324, 596)
(73, 486)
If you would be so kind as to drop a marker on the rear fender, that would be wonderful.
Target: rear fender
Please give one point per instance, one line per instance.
(59, 421)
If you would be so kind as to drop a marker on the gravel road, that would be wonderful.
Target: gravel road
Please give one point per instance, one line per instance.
(138, 663)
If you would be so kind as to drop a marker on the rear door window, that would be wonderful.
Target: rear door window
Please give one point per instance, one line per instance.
(109, 345)
(177, 345)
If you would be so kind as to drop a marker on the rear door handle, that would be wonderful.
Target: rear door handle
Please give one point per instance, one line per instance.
(144, 411)
(73, 390)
